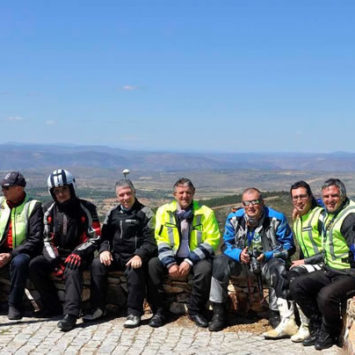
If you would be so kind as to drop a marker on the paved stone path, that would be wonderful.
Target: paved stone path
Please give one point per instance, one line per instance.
(33, 336)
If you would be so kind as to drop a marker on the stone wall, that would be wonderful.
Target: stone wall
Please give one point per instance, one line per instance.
(243, 293)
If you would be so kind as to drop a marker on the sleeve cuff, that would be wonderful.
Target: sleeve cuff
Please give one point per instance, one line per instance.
(189, 261)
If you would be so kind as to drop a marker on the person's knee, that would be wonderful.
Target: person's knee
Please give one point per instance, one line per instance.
(154, 265)
(296, 287)
(203, 267)
(220, 268)
(134, 274)
(20, 261)
(294, 273)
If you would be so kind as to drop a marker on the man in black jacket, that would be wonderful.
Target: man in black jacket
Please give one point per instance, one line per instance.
(127, 244)
(71, 233)
(21, 226)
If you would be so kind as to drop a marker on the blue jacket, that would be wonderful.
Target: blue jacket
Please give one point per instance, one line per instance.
(276, 234)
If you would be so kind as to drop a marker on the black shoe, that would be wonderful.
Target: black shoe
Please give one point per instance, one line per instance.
(274, 318)
(158, 319)
(67, 323)
(14, 313)
(218, 320)
(199, 320)
(324, 340)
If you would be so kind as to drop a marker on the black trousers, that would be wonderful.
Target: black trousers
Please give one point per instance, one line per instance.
(40, 270)
(321, 295)
(200, 287)
(136, 284)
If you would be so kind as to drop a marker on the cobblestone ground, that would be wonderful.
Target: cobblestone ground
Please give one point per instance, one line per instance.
(33, 336)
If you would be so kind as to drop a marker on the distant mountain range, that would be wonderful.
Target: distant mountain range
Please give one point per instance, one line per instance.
(29, 156)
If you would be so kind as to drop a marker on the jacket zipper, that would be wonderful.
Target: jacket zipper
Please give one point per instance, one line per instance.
(121, 233)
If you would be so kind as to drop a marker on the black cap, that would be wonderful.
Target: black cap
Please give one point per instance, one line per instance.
(14, 178)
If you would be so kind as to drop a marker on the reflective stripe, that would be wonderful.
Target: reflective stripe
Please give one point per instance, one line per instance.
(170, 229)
(91, 231)
(27, 210)
(310, 235)
(165, 254)
(199, 253)
(198, 232)
(208, 247)
(45, 221)
(163, 245)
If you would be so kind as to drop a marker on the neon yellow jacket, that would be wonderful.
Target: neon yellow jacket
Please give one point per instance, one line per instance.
(204, 233)
(307, 232)
(335, 246)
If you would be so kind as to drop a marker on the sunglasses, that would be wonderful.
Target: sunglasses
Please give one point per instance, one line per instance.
(251, 203)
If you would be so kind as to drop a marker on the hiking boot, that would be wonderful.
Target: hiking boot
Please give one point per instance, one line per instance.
(287, 327)
(218, 320)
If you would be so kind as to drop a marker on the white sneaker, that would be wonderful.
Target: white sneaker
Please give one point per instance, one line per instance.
(132, 321)
(302, 334)
(98, 313)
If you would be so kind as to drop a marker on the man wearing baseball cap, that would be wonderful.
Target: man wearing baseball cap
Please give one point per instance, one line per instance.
(21, 227)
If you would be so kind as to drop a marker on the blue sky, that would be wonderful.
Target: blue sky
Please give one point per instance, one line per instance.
(185, 75)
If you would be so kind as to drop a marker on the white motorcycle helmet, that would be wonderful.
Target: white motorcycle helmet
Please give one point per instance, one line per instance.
(61, 177)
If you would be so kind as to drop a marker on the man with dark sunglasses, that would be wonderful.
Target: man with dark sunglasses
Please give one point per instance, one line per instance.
(260, 233)
(21, 226)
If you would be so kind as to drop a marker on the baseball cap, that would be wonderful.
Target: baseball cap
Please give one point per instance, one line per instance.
(15, 178)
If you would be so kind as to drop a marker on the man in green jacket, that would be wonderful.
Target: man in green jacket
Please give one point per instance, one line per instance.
(320, 294)
(21, 227)
(187, 235)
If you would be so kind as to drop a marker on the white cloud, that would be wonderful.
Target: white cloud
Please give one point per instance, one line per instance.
(129, 87)
(50, 122)
(14, 118)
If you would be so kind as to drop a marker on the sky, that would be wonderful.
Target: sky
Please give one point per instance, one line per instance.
(183, 75)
